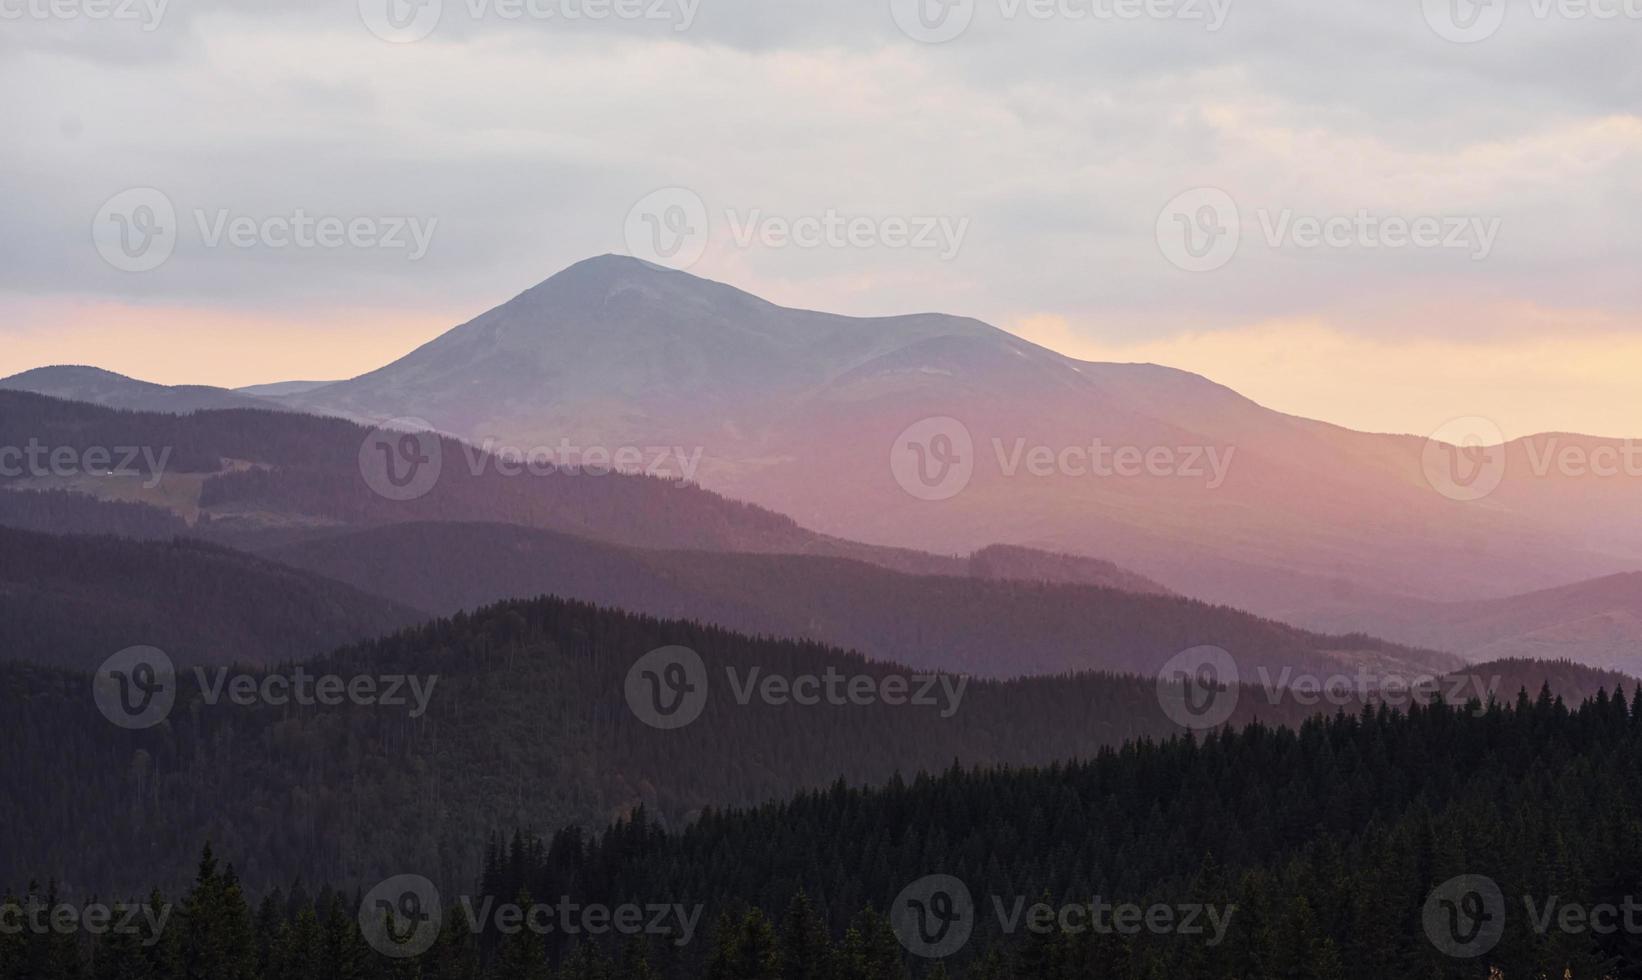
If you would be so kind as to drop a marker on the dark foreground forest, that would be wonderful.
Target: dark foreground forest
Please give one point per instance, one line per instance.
(1444, 842)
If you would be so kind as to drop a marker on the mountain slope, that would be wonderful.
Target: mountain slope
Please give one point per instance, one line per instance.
(76, 600)
(528, 723)
(981, 625)
(67, 512)
(800, 412)
(1377, 812)
(1376, 815)
(1011, 562)
(1505, 679)
(242, 475)
(253, 478)
(1596, 622)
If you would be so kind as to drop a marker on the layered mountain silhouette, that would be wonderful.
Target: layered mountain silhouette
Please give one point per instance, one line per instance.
(980, 625)
(289, 486)
(801, 413)
(798, 411)
(252, 475)
(527, 725)
(74, 600)
(1597, 622)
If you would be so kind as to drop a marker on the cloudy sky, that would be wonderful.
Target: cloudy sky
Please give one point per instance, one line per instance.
(1383, 213)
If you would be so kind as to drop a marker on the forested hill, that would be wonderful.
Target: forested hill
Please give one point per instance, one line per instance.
(60, 511)
(1574, 682)
(529, 724)
(74, 600)
(1381, 845)
(985, 625)
(1329, 841)
(250, 470)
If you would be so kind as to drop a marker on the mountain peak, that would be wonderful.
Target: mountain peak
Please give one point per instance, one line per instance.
(593, 283)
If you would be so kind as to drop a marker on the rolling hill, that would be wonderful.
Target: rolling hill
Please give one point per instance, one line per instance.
(979, 625)
(76, 600)
(89, 384)
(252, 472)
(1596, 622)
(530, 721)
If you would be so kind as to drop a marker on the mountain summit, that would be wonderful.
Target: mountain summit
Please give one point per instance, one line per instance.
(614, 350)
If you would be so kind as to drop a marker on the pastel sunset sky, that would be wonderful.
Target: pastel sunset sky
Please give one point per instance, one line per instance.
(1055, 136)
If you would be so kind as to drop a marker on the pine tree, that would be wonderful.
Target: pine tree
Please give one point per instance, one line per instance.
(805, 950)
(523, 956)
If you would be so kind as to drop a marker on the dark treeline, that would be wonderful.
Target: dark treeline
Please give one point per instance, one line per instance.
(1328, 841)
(1324, 843)
(54, 510)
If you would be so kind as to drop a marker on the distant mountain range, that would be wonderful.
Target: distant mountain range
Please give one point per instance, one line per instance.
(798, 411)
(289, 486)
(980, 625)
(1598, 621)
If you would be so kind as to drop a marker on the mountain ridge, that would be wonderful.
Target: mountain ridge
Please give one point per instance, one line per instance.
(800, 411)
